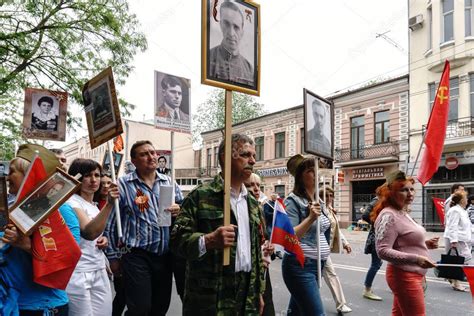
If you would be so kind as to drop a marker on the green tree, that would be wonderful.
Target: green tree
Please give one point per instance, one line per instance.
(59, 45)
(211, 114)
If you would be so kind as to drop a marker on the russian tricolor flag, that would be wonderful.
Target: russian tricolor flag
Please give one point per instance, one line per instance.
(283, 233)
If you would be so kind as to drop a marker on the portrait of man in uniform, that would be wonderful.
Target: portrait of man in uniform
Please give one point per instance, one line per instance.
(232, 43)
(318, 125)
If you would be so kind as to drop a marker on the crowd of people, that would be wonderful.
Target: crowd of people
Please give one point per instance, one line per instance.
(143, 262)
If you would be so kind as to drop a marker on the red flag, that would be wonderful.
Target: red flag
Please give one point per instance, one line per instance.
(439, 206)
(118, 144)
(283, 233)
(54, 250)
(469, 272)
(436, 130)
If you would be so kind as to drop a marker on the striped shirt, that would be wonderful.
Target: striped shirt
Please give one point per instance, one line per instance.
(312, 252)
(140, 229)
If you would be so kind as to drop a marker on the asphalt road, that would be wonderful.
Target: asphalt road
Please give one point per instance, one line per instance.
(440, 298)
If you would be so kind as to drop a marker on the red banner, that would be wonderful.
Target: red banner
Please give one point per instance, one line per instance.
(436, 130)
(439, 206)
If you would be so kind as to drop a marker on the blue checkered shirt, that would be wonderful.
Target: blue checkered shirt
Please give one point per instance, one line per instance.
(140, 229)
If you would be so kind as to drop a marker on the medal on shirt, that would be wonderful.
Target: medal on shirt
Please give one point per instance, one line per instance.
(141, 200)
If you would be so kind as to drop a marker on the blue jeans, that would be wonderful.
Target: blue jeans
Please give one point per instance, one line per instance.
(374, 267)
(303, 286)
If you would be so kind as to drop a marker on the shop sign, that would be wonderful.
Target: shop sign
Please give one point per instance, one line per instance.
(368, 173)
(272, 172)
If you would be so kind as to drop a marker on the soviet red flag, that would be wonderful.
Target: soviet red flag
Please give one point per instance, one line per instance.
(439, 206)
(436, 130)
(55, 252)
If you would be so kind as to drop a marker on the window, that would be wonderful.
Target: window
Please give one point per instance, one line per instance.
(471, 93)
(209, 158)
(280, 145)
(259, 148)
(430, 27)
(468, 17)
(357, 137)
(448, 20)
(382, 127)
(302, 139)
(216, 156)
(280, 190)
(453, 98)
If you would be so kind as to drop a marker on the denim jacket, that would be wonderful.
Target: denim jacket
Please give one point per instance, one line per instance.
(297, 210)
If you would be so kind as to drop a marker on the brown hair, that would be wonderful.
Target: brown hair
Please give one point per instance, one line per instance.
(457, 198)
(299, 188)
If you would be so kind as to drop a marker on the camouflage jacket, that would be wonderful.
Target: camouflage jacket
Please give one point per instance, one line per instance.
(210, 287)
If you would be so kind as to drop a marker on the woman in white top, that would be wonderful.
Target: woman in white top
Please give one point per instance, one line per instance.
(89, 288)
(457, 233)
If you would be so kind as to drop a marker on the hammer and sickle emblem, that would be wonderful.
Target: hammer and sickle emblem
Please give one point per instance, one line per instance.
(441, 96)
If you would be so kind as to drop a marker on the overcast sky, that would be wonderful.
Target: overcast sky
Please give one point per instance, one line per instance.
(324, 46)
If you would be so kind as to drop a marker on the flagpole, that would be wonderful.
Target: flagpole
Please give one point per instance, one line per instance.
(429, 119)
(172, 165)
(118, 220)
(318, 221)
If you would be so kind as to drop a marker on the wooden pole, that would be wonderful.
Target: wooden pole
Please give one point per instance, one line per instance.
(318, 221)
(118, 220)
(172, 163)
(227, 163)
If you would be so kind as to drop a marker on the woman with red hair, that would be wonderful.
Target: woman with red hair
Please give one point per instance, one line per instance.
(401, 241)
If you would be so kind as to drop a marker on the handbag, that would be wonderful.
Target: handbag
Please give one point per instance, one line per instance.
(370, 242)
(455, 273)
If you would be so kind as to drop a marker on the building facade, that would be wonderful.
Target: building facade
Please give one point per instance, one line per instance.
(371, 140)
(184, 156)
(442, 30)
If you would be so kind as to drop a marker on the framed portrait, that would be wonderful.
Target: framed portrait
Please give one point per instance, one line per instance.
(230, 44)
(164, 161)
(318, 122)
(172, 103)
(102, 108)
(48, 196)
(4, 168)
(3, 203)
(117, 157)
(44, 114)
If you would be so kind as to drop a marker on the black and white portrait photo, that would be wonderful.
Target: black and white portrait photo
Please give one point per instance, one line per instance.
(231, 45)
(318, 125)
(4, 168)
(117, 157)
(46, 198)
(172, 100)
(44, 114)
(102, 109)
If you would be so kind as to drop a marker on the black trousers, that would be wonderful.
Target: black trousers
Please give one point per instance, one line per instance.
(147, 279)
(119, 302)
(57, 311)
(179, 271)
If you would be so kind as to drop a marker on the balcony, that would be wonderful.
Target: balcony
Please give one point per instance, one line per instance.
(367, 154)
(458, 131)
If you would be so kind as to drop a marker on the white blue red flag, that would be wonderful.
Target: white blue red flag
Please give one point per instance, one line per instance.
(283, 233)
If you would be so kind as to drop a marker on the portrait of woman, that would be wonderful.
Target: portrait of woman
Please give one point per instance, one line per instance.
(44, 117)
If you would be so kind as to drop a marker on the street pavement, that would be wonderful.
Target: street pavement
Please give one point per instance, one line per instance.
(440, 299)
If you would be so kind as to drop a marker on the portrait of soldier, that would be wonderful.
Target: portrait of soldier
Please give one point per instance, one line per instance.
(36, 206)
(44, 117)
(319, 136)
(172, 91)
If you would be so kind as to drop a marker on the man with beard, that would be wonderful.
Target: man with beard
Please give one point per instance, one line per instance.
(200, 237)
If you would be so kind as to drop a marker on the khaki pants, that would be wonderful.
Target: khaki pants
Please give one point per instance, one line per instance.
(332, 280)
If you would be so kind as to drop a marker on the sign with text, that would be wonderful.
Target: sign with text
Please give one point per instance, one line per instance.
(368, 173)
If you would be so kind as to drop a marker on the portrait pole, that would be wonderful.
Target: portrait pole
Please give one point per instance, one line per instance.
(172, 164)
(227, 166)
(118, 221)
(318, 221)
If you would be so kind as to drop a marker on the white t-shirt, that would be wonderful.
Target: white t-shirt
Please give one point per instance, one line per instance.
(92, 258)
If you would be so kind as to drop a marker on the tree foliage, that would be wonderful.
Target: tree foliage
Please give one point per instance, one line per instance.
(211, 114)
(60, 44)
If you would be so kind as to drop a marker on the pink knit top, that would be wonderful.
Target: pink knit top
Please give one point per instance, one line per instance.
(400, 240)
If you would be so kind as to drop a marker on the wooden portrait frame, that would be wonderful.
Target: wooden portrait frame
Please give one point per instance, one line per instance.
(163, 117)
(24, 220)
(3, 203)
(102, 109)
(106, 163)
(318, 148)
(52, 129)
(249, 47)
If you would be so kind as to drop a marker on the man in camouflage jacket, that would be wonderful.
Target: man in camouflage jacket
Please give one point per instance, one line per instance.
(199, 236)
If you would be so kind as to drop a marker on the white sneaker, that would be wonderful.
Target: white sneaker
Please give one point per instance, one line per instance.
(344, 309)
(371, 296)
